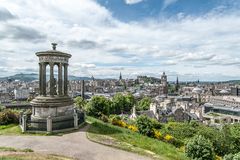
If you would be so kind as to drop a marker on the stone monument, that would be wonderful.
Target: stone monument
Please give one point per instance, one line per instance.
(53, 109)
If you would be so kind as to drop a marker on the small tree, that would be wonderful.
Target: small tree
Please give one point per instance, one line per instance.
(200, 148)
(79, 102)
(121, 103)
(97, 106)
(144, 104)
(145, 126)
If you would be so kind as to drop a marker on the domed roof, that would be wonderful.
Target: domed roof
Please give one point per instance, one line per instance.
(197, 90)
(53, 52)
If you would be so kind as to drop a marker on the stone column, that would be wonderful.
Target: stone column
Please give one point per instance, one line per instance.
(24, 123)
(49, 124)
(40, 79)
(20, 117)
(51, 79)
(66, 79)
(44, 79)
(60, 81)
(75, 117)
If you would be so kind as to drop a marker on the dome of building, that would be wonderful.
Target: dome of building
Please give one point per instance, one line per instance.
(197, 90)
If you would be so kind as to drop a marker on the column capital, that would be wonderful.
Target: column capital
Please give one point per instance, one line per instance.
(51, 64)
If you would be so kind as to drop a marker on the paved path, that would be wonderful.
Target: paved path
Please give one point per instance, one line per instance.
(74, 145)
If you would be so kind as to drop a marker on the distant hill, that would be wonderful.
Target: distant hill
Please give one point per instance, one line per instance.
(33, 76)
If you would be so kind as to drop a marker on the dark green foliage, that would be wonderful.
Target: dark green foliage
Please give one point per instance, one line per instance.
(156, 124)
(225, 140)
(8, 116)
(97, 106)
(200, 148)
(145, 126)
(121, 103)
(234, 137)
(143, 104)
(179, 130)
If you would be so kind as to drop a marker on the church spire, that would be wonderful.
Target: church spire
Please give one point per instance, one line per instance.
(120, 76)
(177, 85)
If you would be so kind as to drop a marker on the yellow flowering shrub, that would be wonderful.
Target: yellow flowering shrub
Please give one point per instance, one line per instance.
(119, 123)
(218, 157)
(168, 138)
(122, 124)
(157, 134)
(133, 128)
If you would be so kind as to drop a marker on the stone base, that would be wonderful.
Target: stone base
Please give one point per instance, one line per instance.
(58, 123)
(56, 106)
(59, 110)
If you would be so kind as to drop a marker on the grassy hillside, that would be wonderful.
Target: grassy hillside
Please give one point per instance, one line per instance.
(125, 139)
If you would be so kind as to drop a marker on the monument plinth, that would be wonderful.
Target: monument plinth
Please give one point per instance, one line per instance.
(53, 103)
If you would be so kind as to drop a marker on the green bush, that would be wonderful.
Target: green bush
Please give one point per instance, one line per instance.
(236, 156)
(145, 126)
(1, 107)
(200, 148)
(156, 124)
(122, 103)
(234, 136)
(79, 102)
(97, 106)
(228, 157)
(180, 130)
(8, 116)
(143, 104)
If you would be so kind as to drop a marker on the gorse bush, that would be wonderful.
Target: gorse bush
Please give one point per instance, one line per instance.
(8, 116)
(200, 148)
(157, 134)
(133, 128)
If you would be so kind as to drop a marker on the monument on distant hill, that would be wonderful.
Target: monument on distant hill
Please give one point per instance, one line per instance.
(53, 109)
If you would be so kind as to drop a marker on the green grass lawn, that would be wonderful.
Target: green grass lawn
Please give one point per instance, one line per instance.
(131, 141)
(14, 129)
(11, 129)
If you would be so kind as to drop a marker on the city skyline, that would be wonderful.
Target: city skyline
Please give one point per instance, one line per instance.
(197, 40)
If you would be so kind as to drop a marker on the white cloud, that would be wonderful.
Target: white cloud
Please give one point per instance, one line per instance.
(102, 45)
(88, 65)
(132, 1)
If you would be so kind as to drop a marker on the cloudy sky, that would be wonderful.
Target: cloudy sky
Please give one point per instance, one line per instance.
(192, 39)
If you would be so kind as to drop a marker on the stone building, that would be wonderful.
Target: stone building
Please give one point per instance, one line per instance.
(164, 85)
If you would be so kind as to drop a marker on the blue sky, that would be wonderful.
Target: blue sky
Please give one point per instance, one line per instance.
(192, 39)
